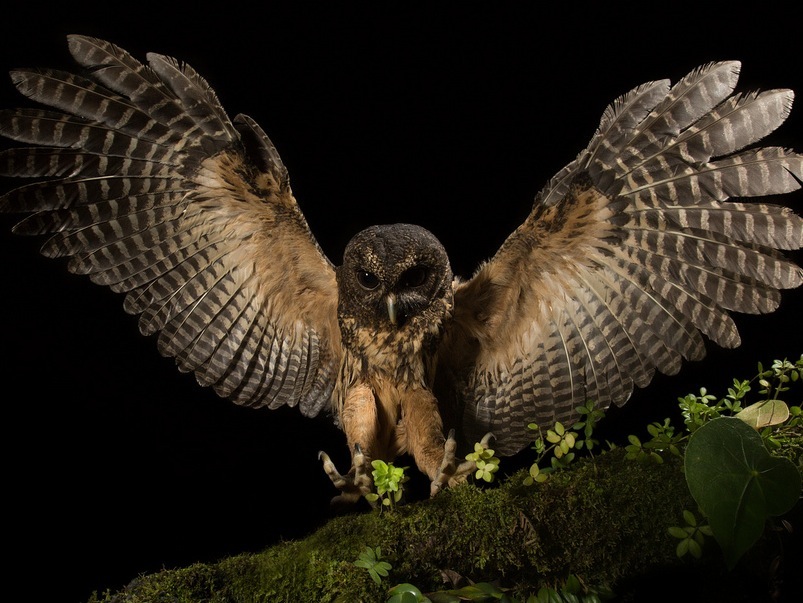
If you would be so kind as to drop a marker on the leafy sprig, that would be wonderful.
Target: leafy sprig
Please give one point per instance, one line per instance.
(692, 536)
(388, 480)
(487, 464)
(371, 560)
(562, 442)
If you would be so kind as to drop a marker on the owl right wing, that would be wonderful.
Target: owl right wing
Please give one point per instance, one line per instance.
(149, 188)
(630, 254)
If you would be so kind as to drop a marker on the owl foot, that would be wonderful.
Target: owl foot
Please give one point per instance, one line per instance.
(355, 484)
(450, 472)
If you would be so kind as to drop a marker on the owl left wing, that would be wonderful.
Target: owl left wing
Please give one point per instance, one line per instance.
(148, 187)
(629, 254)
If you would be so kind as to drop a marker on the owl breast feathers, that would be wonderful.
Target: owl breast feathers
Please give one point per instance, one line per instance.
(631, 254)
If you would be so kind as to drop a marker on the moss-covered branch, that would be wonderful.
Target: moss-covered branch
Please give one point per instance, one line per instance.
(604, 519)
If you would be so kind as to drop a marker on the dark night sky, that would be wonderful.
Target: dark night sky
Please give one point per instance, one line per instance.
(116, 464)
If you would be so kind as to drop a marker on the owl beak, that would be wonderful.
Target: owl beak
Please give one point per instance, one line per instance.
(390, 300)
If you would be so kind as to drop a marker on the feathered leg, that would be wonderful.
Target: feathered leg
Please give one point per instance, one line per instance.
(361, 424)
(421, 433)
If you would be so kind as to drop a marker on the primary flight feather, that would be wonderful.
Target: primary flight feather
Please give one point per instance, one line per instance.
(631, 254)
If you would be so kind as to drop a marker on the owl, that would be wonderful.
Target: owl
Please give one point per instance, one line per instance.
(630, 258)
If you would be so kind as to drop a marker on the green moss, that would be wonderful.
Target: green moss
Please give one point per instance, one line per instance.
(603, 519)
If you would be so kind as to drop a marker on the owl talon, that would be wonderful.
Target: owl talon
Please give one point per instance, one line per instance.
(355, 484)
(451, 473)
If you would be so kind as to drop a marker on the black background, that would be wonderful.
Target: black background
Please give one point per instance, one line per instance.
(451, 117)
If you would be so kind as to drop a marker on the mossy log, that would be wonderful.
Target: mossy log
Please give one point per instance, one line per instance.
(604, 519)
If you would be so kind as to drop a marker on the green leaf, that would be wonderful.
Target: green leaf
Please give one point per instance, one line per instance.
(737, 483)
(480, 591)
(572, 585)
(763, 414)
(405, 593)
(405, 587)
(382, 568)
(549, 595)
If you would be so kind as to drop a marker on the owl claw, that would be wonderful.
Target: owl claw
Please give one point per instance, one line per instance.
(355, 484)
(450, 472)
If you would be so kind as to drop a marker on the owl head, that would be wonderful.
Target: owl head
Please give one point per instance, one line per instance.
(392, 275)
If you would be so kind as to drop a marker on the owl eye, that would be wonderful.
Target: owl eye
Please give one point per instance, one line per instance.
(367, 280)
(413, 277)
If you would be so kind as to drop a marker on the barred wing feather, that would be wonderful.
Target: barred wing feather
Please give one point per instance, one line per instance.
(631, 252)
(148, 187)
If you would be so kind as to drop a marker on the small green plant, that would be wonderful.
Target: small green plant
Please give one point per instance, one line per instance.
(487, 463)
(562, 442)
(768, 411)
(697, 410)
(662, 440)
(728, 462)
(637, 451)
(537, 473)
(738, 483)
(772, 417)
(692, 536)
(562, 438)
(589, 418)
(388, 480)
(559, 442)
(371, 560)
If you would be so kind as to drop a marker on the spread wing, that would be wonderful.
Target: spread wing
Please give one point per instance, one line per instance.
(149, 188)
(630, 253)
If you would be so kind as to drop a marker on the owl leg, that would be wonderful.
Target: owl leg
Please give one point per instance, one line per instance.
(421, 428)
(361, 424)
(451, 472)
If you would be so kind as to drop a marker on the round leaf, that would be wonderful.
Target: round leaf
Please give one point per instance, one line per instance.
(763, 414)
(737, 483)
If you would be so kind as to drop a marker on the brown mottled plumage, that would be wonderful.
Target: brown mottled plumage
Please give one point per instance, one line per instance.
(630, 255)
